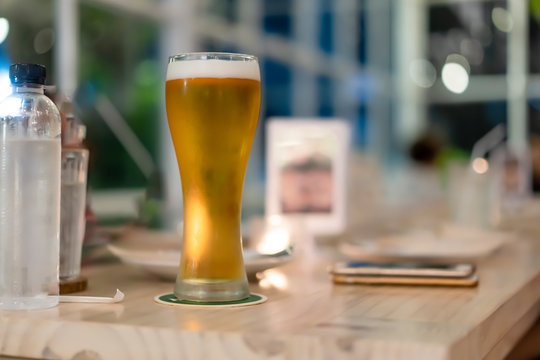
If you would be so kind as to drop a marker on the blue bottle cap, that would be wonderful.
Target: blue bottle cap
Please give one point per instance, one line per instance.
(27, 74)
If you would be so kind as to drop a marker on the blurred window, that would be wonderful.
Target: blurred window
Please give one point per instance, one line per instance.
(26, 35)
(444, 64)
(119, 60)
(475, 30)
(466, 123)
(325, 86)
(277, 17)
(534, 36)
(226, 9)
(277, 89)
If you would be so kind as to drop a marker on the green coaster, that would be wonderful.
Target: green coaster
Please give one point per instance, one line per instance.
(170, 299)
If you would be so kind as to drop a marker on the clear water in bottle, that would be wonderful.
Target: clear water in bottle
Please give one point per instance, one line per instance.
(29, 203)
(29, 192)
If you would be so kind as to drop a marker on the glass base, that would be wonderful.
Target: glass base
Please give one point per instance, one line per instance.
(28, 303)
(69, 277)
(211, 290)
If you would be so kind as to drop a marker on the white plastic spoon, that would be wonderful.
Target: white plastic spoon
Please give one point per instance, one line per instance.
(118, 297)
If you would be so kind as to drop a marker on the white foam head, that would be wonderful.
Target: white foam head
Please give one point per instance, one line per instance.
(213, 68)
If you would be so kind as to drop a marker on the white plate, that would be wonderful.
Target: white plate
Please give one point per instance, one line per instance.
(450, 243)
(158, 253)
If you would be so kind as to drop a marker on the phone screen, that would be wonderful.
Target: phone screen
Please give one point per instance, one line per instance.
(358, 268)
(358, 264)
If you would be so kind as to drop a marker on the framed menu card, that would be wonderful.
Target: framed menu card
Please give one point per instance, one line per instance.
(306, 171)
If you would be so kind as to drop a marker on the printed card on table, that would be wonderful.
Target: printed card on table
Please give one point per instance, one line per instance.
(306, 171)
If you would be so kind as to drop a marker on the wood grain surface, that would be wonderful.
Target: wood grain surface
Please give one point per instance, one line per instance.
(306, 317)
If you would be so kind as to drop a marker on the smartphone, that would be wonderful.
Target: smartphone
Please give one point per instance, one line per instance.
(403, 269)
(471, 280)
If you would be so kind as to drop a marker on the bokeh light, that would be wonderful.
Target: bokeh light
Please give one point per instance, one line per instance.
(44, 41)
(274, 241)
(480, 165)
(459, 59)
(473, 50)
(455, 73)
(423, 73)
(275, 220)
(274, 279)
(4, 29)
(455, 77)
(502, 19)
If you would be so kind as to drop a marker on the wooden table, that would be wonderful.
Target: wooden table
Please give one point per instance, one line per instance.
(306, 317)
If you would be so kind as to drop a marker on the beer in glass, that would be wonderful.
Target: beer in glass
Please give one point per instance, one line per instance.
(212, 102)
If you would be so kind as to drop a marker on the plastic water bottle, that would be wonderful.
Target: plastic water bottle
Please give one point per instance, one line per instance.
(29, 192)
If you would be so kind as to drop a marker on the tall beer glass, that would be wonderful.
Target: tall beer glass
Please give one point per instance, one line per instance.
(213, 102)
